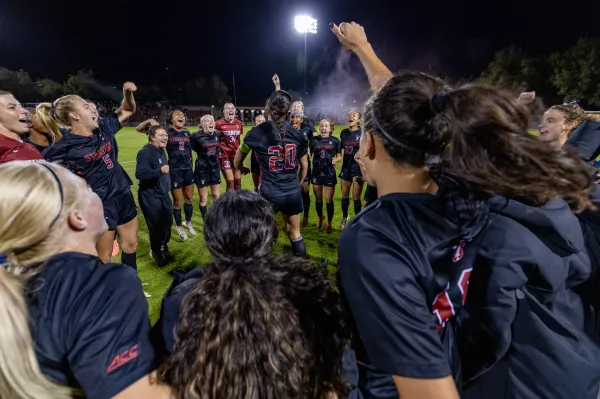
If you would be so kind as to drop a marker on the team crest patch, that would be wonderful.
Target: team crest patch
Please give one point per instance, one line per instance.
(458, 252)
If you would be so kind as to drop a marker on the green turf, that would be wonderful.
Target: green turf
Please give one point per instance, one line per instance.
(193, 253)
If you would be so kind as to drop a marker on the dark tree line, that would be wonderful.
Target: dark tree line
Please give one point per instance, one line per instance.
(201, 90)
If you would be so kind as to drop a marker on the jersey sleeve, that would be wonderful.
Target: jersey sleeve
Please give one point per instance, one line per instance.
(251, 139)
(144, 167)
(111, 348)
(380, 283)
(110, 125)
(311, 146)
(338, 146)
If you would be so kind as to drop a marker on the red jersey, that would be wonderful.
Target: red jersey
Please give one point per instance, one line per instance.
(230, 136)
(17, 150)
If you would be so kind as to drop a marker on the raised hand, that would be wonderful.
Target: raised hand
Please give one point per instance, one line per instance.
(527, 97)
(129, 86)
(350, 34)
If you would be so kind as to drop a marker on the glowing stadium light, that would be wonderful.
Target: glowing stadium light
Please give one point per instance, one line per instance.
(305, 24)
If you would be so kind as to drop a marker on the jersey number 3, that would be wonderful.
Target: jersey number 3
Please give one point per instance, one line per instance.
(276, 159)
(108, 161)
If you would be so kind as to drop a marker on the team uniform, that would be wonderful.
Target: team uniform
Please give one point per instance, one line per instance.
(153, 196)
(230, 135)
(17, 150)
(307, 134)
(404, 292)
(208, 147)
(350, 144)
(94, 158)
(278, 171)
(323, 150)
(89, 324)
(179, 150)
(370, 194)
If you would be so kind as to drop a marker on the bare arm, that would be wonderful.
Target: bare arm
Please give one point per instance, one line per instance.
(413, 388)
(276, 82)
(238, 161)
(143, 127)
(336, 159)
(353, 37)
(128, 106)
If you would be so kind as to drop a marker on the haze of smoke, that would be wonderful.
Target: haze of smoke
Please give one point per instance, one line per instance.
(108, 91)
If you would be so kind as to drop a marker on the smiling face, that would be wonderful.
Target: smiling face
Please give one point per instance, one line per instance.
(13, 117)
(160, 138)
(94, 109)
(353, 119)
(229, 112)
(325, 128)
(82, 113)
(208, 124)
(177, 120)
(554, 127)
(296, 121)
(298, 106)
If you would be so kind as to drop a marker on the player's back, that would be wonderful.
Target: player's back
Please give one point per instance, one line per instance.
(278, 163)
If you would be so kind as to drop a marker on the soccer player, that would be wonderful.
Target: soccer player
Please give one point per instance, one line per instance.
(152, 170)
(40, 128)
(325, 152)
(230, 130)
(254, 168)
(87, 148)
(71, 324)
(206, 144)
(296, 120)
(436, 157)
(350, 174)
(280, 151)
(13, 125)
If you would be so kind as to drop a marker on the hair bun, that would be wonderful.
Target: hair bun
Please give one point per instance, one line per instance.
(438, 102)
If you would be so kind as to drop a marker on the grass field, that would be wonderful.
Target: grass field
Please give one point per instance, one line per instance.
(193, 253)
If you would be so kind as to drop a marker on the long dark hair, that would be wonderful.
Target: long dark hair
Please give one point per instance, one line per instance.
(278, 107)
(255, 326)
(479, 134)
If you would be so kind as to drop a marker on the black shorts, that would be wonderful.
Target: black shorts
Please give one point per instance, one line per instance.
(181, 178)
(254, 167)
(308, 175)
(327, 181)
(205, 177)
(120, 210)
(370, 194)
(289, 205)
(348, 174)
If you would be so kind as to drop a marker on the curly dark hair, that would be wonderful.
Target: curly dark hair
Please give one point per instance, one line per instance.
(256, 326)
(480, 136)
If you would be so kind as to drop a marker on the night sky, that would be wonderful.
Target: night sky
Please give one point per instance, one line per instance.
(134, 40)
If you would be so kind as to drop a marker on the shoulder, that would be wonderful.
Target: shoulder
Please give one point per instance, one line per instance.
(110, 123)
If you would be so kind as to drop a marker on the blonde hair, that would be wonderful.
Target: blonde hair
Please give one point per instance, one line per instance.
(205, 117)
(59, 113)
(31, 204)
(43, 112)
(574, 113)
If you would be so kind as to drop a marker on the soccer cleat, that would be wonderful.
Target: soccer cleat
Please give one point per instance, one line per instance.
(188, 225)
(115, 251)
(160, 258)
(329, 228)
(305, 221)
(320, 222)
(166, 253)
(344, 221)
(181, 233)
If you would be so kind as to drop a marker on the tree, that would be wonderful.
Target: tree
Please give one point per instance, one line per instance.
(218, 93)
(511, 68)
(49, 89)
(80, 84)
(576, 72)
(19, 83)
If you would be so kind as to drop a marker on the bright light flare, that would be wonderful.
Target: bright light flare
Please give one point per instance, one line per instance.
(305, 24)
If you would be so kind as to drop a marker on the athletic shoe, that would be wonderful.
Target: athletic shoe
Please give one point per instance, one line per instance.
(320, 222)
(166, 253)
(160, 259)
(344, 221)
(305, 221)
(147, 295)
(115, 251)
(181, 233)
(329, 228)
(188, 225)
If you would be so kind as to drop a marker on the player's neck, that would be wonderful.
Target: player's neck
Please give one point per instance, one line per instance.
(38, 138)
(9, 134)
(398, 179)
(207, 132)
(81, 130)
(229, 120)
(353, 128)
(82, 245)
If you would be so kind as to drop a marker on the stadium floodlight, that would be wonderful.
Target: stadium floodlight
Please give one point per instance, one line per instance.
(305, 24)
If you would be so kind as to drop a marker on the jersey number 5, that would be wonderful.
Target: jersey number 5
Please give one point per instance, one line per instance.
(276, 159)
(108, 161)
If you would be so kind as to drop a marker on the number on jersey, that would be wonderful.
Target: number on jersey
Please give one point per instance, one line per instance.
(181, 146)
(276, 161)
(348, 150)
(108, 161)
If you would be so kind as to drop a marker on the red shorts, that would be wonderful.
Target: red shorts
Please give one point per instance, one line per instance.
(227, 163)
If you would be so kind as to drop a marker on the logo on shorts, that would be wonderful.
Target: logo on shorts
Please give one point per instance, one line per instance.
(201, 181)
(175, 184)
(160, 161)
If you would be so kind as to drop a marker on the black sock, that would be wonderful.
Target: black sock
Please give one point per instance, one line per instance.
(129, 259)
(319, 206)
(299, 248)
(203, 209)
(188, 210)
(177, 216)
(357, 206)
(306, 202)
(345, 206)
(329, 211)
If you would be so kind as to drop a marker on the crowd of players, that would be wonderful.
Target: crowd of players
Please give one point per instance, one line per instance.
(468, 203)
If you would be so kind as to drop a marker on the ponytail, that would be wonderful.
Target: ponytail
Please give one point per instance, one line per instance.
(20, 374)
(280, 123)
(45, 116)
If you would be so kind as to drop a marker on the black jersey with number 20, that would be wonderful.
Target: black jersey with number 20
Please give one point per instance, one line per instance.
(278, 165)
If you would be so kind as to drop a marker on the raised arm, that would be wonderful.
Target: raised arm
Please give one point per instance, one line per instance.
(143, 127)
(276, 82)
(128, 106)
(352, 36)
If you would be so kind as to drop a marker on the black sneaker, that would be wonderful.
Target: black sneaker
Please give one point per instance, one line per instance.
(160, 259)
(166, 253)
